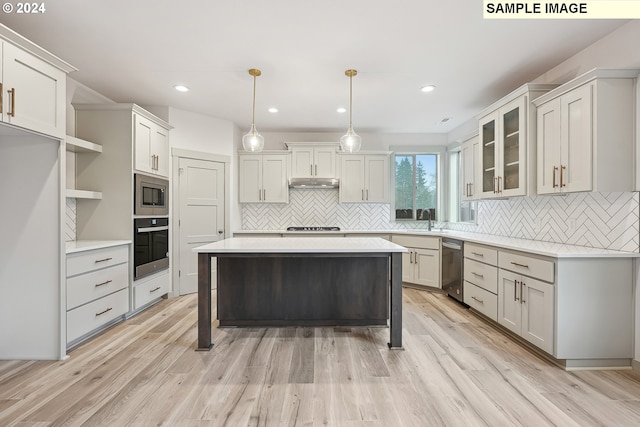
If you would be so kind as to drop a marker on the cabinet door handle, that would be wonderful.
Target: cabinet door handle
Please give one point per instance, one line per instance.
(367, 195)
(103, 312)
(515, 290)
(259, 194)
(362, 196)
(522, 285)
(311, 170)
(103, 283)
(103, 260)
(12, 94)
(153, 290)
(478, 299)
(499, 184)
(477, 275)
(316, 170)
(264, 195)
(554, 185)
(495, 183)
(477, 254)
(562, 168)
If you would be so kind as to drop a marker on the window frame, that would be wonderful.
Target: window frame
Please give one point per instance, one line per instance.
(440, 153)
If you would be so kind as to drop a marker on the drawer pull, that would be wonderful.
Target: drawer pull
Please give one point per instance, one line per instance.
(103, 312)
(519, 265)
(478, 254)
(103, 260)
(478, 299)
(478, 275)
(103, 283)
(153, 290)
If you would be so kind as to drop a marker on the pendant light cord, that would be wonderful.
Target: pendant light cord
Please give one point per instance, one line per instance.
(253, 113)
(350, 102)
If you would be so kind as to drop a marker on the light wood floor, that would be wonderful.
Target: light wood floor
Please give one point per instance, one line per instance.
(456, 370)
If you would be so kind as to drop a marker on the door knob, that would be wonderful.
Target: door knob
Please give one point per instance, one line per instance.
(220, 231)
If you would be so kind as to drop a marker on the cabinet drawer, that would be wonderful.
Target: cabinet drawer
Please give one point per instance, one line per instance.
(528, 266)
(93, 260)
(484, 254)
(481, 300)
(91, 316)
(96, 284)
(424, 242)
(482, 275)
(150, 290)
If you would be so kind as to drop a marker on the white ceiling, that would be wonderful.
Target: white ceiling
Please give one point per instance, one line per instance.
(135, 51)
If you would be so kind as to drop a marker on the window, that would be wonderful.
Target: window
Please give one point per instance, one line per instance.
(416, 186)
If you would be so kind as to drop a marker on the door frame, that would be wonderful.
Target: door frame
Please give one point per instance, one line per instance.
(174, 196)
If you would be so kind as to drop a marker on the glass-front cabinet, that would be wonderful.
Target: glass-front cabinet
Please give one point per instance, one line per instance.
(503, 150)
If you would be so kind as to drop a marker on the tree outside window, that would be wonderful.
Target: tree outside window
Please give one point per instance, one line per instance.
(416, 191)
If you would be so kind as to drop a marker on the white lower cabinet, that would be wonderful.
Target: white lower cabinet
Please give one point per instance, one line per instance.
(526, 307)
(150, 288)
(97, 290)
(421, 264)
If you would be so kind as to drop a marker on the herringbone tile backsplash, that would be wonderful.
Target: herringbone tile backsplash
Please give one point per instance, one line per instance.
(602, 220)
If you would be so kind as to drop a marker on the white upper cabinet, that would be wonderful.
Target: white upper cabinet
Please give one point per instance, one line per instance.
(470, 157)
(151, 146)
(263, 178)
(506, 150)
(364, 178)
(313, 160)
(33, 91)
(585, 134)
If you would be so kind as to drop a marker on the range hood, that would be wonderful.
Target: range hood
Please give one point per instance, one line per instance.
(314, 183)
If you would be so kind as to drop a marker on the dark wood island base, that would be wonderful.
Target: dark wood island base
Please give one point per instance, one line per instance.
(301, 289)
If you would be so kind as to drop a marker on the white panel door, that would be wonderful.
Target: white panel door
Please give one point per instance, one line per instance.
(352, 179)
(376, 176)
(250, 179)
(324, 159)
(201, 215)
(143, 137)
(427, 267)
(34, 92)
(577, 140)
(302, 162)
(160, 148)
(537, 313)
(548, 147)
(509, 307)
(275, 187)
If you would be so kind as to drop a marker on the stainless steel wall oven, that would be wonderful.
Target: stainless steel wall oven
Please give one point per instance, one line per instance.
(151, 246)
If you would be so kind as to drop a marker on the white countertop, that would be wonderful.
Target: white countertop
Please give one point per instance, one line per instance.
(556, 250)
(88, 245)
(311, 245)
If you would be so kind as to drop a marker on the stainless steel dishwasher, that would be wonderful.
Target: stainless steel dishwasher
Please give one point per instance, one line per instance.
(452, 276)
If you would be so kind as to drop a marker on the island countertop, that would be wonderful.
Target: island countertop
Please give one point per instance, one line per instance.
(301, 245)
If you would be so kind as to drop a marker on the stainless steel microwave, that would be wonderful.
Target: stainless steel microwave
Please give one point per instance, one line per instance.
(151, 195)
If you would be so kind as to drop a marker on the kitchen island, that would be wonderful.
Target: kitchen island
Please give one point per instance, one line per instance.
(326, 281)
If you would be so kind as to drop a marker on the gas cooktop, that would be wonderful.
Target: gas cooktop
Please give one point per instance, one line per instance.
(313, 228)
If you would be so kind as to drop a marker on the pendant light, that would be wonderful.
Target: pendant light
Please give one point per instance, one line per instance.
(351, 141)
(252, 140)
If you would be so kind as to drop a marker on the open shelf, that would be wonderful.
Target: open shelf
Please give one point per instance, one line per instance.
(83, 194)
(78, 145)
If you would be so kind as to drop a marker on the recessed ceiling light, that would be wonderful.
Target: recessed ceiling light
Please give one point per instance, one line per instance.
(428, 88)
(444, 120)
(181, 88)
(273, 110)
(341, 110)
